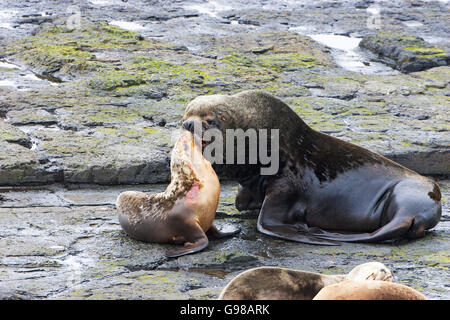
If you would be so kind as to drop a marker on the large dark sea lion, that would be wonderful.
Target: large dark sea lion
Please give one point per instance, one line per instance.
(184, 212)
(275, 283)
(325, 189)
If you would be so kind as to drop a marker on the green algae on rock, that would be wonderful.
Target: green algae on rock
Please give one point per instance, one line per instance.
(57, 49)
(11, 134)
(405, 52)
(112, 123)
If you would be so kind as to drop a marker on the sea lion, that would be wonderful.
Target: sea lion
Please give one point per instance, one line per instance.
(184, 211)
(368, 290)
(325, 189)
(274, 283)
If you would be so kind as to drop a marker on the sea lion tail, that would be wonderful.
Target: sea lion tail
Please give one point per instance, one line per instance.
(396, 228)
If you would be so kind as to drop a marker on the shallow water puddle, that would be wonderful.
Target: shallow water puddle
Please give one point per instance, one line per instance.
(6, 16)
(8, 83)
(30, 129)
(412, 24)
(337, 42)
(349, 56)
(7, 65)
(127, 25)
(107, 2)
(211, 8)
(19, 78)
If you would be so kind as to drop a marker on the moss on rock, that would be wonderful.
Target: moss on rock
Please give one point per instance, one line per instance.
(405, 52)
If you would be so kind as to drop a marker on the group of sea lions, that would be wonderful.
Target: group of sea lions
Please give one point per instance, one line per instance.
(368, 281)
(325, 190)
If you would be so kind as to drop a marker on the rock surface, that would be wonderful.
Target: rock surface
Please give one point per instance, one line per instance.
(66, 243)
(405, 52)
(98, 103)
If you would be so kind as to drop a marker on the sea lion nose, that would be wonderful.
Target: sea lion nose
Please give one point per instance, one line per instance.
(188, 125)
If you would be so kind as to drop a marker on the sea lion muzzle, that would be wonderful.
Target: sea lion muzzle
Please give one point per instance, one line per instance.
(198, 126)
(195, 126)
(189, 125)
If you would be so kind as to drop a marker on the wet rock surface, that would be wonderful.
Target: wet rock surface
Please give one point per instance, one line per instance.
(114, 87)
(66, 243)
(97, 104)
(120, 81)
(405, 52)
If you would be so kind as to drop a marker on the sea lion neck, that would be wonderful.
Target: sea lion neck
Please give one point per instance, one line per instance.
(252, 110)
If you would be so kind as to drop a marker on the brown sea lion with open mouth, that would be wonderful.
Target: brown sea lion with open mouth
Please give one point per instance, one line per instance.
(325, 189)
(184, 212)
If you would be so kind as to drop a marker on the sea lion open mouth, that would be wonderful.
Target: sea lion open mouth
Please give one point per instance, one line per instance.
(199, 127)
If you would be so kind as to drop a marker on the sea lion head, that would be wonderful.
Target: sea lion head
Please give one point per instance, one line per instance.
(370, 271)
(253, 118)
(244, 110)
(209, 112)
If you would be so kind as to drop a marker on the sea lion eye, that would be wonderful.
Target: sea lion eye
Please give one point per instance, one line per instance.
(211, 123)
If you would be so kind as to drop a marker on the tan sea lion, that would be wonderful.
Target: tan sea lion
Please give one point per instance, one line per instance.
(275, 283)
(368, 290)
(184, 212)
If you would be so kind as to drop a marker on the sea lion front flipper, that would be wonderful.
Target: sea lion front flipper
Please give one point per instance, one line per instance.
(245, 200)
(214, 233)
(270, 222)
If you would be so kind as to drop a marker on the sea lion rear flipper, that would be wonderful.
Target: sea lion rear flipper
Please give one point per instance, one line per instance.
(291, 232)
(189, 247)
(214, 233)
(394, 229)
(270, 222)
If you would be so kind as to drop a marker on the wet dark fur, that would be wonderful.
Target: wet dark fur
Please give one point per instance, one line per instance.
(321, 179)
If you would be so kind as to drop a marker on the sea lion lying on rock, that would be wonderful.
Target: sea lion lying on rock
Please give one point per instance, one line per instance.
(325, 189)
(185, 211)
(368, 290)
(275, 283)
